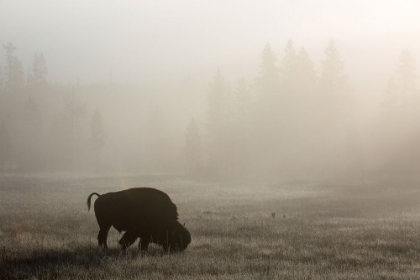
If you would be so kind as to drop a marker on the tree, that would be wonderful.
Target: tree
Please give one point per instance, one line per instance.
(288, 66)
(97, 136)
(400, 101)
(268, 81)
(333, 79)
(268, 113)
(192, 147)
(305, 73)
(333, 85)
(10, 58)
(15, 79)
(335, 107)
(39, 71)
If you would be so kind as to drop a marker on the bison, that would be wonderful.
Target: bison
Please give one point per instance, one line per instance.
(145, 213)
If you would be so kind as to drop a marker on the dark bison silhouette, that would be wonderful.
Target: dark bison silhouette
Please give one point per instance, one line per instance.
(145, 213)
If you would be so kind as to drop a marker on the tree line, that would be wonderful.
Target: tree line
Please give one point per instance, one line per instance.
(28, 140)
(290, 121)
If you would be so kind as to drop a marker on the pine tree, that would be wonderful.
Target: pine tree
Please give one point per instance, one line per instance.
(305, 72)
(335, 110)
(333, 79)
(288, 66)
(15, 78)
(268, 113)
(333, 86)
(8, 70)
(268, 81)
(192, 147)
(39, 71)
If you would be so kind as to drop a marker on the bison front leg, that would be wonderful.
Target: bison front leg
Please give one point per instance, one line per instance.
(128, 238)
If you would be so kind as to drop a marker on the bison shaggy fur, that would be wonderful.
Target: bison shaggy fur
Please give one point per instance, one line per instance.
(145, 213)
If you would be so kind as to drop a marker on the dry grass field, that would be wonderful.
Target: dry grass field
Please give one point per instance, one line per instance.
(318, 232)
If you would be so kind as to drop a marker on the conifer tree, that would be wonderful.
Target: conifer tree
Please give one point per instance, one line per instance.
(334, 109)
(268, 81)
(305, 72)
(288, 66)
(39, 71)
(15, 79)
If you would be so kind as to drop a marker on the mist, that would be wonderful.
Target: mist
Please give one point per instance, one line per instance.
(295, 90)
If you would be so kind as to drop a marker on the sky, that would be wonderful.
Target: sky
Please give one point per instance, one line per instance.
(97, 41)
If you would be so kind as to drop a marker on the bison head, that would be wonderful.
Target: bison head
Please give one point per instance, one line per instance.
(179, 238)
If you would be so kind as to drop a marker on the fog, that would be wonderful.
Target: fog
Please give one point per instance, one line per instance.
(297, 90)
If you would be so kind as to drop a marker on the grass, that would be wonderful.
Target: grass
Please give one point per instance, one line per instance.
(318, 232)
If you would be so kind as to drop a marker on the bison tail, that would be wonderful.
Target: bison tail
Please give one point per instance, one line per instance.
(90, 196)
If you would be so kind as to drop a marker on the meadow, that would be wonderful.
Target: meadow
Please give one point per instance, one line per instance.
(240, 230)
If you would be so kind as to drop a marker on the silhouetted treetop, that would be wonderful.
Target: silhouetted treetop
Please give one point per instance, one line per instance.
(39, 70)
(288, 64)
(13, 70)
(332, 76)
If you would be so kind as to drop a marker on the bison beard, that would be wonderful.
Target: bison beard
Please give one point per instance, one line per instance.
(144, 213)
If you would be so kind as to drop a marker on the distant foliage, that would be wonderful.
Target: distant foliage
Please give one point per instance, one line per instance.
(288, 121)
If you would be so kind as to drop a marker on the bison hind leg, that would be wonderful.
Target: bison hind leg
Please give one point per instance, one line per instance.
(102, 237)
(127, 239)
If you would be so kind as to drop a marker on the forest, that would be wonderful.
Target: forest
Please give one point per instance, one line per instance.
(289, 121)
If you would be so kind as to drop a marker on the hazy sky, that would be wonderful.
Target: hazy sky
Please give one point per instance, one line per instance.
(137, 41)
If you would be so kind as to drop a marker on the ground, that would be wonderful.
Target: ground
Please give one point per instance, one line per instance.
(240, 230)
